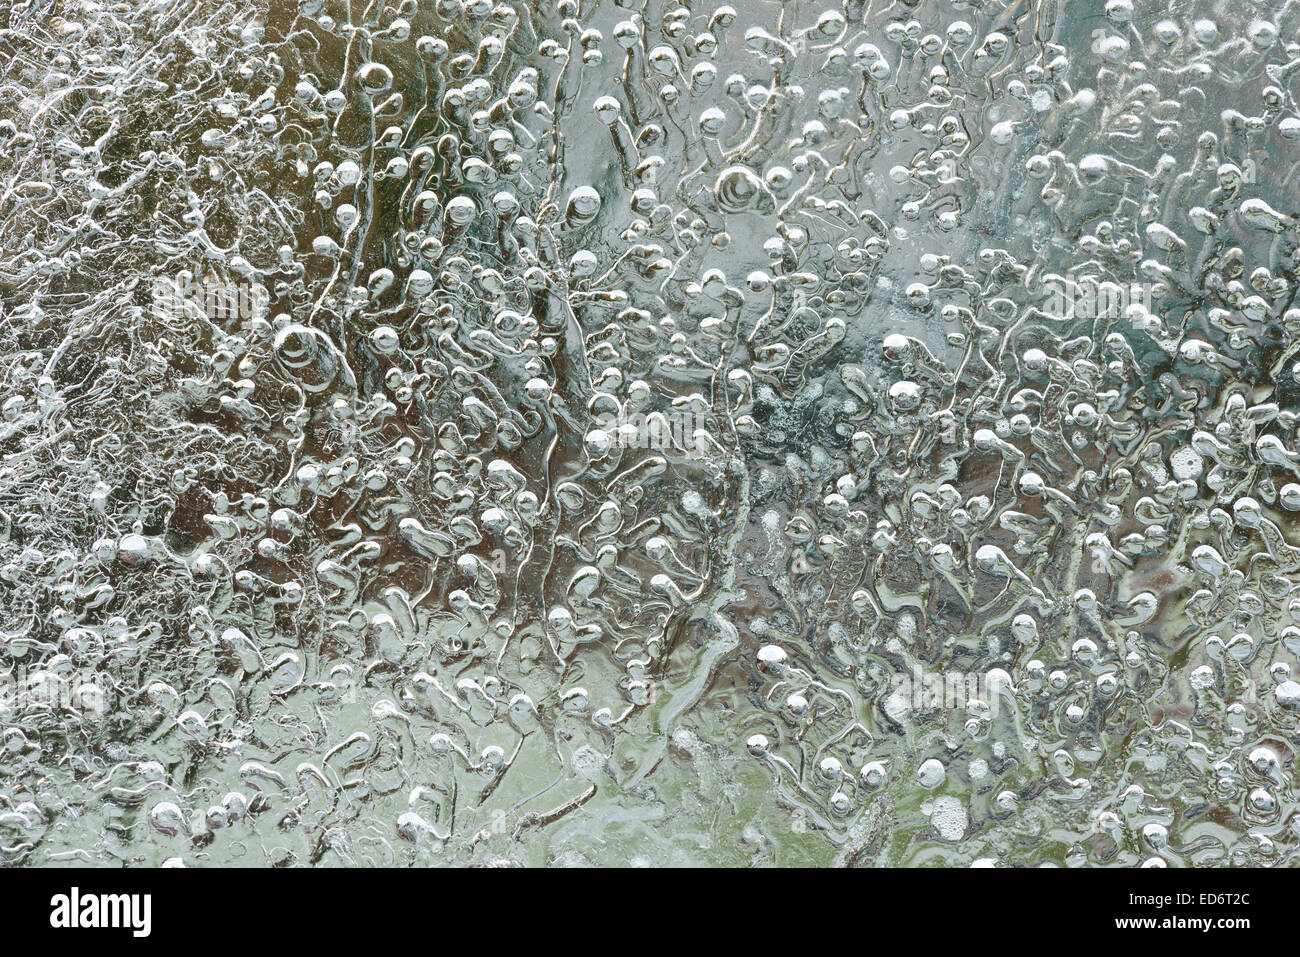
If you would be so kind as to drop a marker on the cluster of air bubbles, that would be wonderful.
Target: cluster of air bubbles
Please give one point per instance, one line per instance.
(474, 431)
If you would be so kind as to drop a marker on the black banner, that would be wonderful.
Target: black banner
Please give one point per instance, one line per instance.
(136, 908)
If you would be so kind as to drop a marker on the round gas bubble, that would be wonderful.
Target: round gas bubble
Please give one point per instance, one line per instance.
(309, 358)
(582, 205)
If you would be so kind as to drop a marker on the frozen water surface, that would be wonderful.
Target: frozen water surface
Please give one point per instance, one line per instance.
(456, 432)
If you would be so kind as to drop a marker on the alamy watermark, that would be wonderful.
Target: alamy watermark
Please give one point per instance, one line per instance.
(220, 301)
(83, 691)
(684, 431)
(75, 910)
(951, 690)
(1090, 298)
